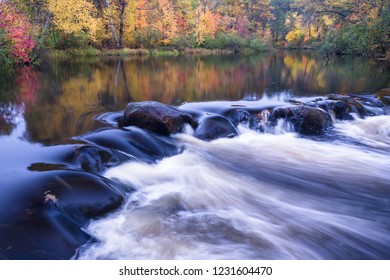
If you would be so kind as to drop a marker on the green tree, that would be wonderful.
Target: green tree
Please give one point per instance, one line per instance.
(281, 9)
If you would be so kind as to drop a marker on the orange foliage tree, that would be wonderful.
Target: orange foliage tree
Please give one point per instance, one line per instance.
(207, 23)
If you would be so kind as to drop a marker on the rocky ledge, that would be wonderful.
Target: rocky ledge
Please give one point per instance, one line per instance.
(212, 120)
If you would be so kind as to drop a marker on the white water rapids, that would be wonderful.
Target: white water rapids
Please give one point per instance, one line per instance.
(256, 196)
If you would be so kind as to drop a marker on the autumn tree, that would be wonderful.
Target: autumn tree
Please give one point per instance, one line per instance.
(141, 14)
(281, 9)
(75, 17)
(344, 26)
(186, 11)
(115, 13)
(15, 43)
(206, 25)
(231, 13)
(163, 20)
(259, 13)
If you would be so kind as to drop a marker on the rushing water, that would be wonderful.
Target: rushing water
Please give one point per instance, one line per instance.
(257, 196)
(273, 195)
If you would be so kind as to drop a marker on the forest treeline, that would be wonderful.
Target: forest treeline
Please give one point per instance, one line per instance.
(30, 27)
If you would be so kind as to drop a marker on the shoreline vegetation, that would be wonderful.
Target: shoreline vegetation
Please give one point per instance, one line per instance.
(33, 30)
(55, 54)
(126, 52)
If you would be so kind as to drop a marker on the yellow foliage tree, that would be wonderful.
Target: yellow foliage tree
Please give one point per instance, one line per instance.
(295, 37)
(130, 22)
(74, 17)
(167, 22)
(207, 24)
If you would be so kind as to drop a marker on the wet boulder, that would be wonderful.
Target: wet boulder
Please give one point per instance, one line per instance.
(367, 100)
(95, 159)
(353, 105)
(341, 110)
(42, 214)
(384, 95)
(238, 116)
(155, 117)
(131, 142)
(278, 113)
(309, 120)
(214, 126)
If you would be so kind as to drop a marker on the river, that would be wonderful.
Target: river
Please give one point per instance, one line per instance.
(74, 185)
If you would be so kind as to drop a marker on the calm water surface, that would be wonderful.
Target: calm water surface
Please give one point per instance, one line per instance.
(257, 196)
(62, 100)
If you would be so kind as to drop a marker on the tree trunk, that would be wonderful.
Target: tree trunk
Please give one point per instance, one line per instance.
(112, 27)
(121, 23)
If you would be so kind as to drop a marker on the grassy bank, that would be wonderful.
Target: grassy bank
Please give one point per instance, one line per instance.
(93, 52)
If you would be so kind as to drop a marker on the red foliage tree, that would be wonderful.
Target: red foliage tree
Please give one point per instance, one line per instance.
(16, 27)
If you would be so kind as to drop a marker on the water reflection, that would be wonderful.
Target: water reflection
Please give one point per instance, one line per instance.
(62, 100)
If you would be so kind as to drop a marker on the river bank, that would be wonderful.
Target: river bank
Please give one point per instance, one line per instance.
(90, 52)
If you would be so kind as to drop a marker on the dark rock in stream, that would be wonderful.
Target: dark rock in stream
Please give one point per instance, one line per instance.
(384, 95)
(96, 159)
(42, 213)
(238, 116)
(352, 105)
(133, 142)
(156, 117)
(310, 120)
(307, 120)
(278, 113)
(341, 111)
(214, 126)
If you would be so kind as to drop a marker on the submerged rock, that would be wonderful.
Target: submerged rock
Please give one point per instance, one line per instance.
(156, 117)
(214, 126)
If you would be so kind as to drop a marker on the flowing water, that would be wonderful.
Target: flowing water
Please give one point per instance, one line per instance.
(256, 196)
(273, 195)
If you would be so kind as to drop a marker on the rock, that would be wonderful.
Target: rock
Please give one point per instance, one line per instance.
(278, 113)
(134, 142)
(156, 117)
(353, 105)
(42, 214)
(341, 111)
(238, 116)
(309, 120)
(384, 95)
(95, 159)
(214, 126)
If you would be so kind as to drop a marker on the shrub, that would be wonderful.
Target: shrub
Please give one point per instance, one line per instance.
(379, 33)
(258, 45)
(184, 42)
(148, 38)
(359, 39)
(15, 28)
(226, 41)
(6, 58)
(295, 38)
